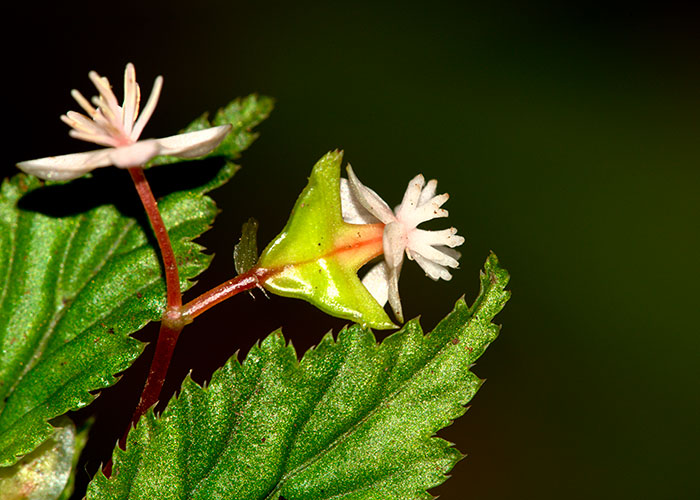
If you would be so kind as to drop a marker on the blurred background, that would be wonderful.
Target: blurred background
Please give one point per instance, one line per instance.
(567, 136)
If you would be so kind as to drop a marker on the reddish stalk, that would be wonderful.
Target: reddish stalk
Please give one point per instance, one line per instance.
(165, 347)
(224, 291)
(172, 279)
(173, 322)
(170, 329)
(176, 316)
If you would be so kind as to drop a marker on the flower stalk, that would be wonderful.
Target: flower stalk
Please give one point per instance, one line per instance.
(172, 279)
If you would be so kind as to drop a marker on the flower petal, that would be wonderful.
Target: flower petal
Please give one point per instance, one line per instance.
(377, 283)
(427, 211)
(394, 298)
(132, 95)
(66, 167)
(432, 270)
(369, 199)
(411, 196)
(383, 284)
(193, 144)
(432, 253)
(353, 211)
(136, 154)
(446, 237)
(147, 109)
(428, 192)
(108, 101)
(455, 254)
(394, 241)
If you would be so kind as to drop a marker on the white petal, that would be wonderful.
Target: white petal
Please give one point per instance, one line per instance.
(136, 154)
(377, 283)
(394, 298)
(84, 103)
(446, 237)
(147, 109)
(66, 167)
(131, 99)
(394, 241)
(432, 270)
(352, 209)
(369, 199)
(427, 211)
(455, 254)
(428, 192)
(433, 254)
(411, 196)
(108, 101)
(193, 144)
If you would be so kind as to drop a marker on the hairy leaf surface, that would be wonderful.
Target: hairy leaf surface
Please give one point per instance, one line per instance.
(352, 420)
(74, 286)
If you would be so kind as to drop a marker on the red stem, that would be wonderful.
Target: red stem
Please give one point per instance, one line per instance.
(167, 339)
(171, 327)
(172, 279)
(224, 291)
(172, 323)
(176, 316)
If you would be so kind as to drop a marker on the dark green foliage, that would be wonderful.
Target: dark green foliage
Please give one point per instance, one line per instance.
(352, 420)
(74, 287)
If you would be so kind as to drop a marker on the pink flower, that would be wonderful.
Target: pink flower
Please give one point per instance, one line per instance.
(432, 250)
(119, 128)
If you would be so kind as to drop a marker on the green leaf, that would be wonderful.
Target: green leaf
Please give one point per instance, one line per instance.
(74, 287)
(352, 420)
(245, 253)
(317, 255)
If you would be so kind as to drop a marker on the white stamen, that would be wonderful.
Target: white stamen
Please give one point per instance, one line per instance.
(118, 128)
(84, 103)
(148, 109)
(130, 99)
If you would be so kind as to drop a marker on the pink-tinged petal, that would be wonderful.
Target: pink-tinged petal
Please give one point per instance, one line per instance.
(80, 123)
(135, 155)
(432, 270)
(428, 192)
(84, 103)
(369, 199)
(411, 196)
(88, 130)
(108, 101)
(66, 167)
(377, 283)
(102, 140)
(352, 210)
(193, 144)
(147, 109)
(131, 99)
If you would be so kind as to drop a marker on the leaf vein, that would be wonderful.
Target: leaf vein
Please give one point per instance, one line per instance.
(380, 405)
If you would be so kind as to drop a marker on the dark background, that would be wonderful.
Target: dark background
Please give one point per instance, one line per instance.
(567, 136)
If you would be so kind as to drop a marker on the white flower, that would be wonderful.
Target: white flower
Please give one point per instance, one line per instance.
(119, 128)
(432, 250)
